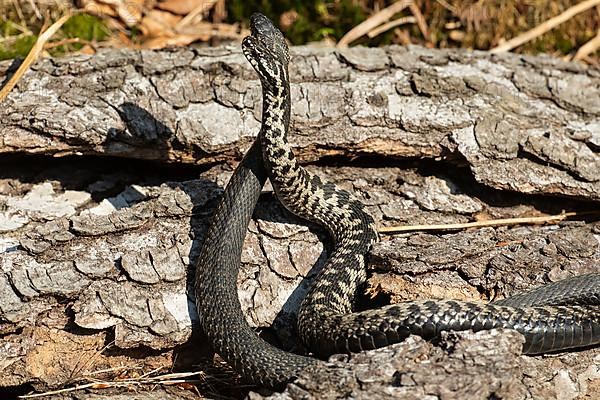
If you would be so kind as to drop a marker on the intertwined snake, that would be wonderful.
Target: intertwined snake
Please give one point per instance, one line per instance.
(553, 317)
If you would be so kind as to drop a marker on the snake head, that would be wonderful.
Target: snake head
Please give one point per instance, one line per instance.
(267, 50)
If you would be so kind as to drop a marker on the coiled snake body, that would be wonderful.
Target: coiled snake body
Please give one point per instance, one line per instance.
(553, 317)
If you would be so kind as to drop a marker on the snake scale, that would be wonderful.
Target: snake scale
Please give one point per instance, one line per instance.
(553, 317)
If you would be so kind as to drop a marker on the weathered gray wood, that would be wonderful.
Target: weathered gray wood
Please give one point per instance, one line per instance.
(96, 251)
(520, 123)
(463, 366)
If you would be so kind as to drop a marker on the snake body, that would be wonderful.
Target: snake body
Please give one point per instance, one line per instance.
(557, 316)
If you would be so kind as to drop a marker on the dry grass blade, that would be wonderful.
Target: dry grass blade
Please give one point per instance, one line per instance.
(480, 224)
(372, 22)
(32, 56)
(588, 48)
(55, 392)
(66, 41)
(420, 20)
(545, 26)
(21, 28)
(448, 6)
(391, 25)
(165, 379)
(12, 39)
(35, 9)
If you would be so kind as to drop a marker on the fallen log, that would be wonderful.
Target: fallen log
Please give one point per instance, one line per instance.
(112, 164)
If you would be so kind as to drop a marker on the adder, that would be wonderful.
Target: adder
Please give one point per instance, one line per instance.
(556, 316)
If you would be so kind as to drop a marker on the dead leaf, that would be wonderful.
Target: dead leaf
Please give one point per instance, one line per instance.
(202, 31)
(159, 23)
(287, 19)
(222, 31)
(197, 14)
(97, 8)
(457, 36)
(176, 40)
(182, 7)
(220, 11)
(130, 11)
(87, 49)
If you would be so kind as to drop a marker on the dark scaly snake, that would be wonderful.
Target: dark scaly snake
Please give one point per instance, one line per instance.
(553, 317)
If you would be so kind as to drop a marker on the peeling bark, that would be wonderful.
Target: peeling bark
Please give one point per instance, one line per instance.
(97, 251)
(520, 123)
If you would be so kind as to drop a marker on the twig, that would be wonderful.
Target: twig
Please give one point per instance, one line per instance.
(53, 392)
(66, 41)
(166, 379)
(372, 22)
(35, 51)
(390, 25)
(155, 370)
(479, 224)
(545, 26)
(588, 48)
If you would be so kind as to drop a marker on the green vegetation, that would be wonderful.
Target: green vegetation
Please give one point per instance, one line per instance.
(84, 27)
(19, 47)
(312, 20)
(477, 24)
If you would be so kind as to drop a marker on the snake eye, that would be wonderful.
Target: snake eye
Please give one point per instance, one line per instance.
(267, 65)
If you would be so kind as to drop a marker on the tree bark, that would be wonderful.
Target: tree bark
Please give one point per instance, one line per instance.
(111, 166)
(520, 123)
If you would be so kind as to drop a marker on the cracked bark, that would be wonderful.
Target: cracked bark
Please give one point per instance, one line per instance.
(97, 250)
(520, 123)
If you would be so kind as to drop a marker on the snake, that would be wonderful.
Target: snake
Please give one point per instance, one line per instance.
(553, 317)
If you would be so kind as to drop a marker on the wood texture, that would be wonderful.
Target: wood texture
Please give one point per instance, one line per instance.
(111, 165)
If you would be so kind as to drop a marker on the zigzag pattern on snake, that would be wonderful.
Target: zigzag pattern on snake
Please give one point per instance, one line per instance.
(557, 316)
